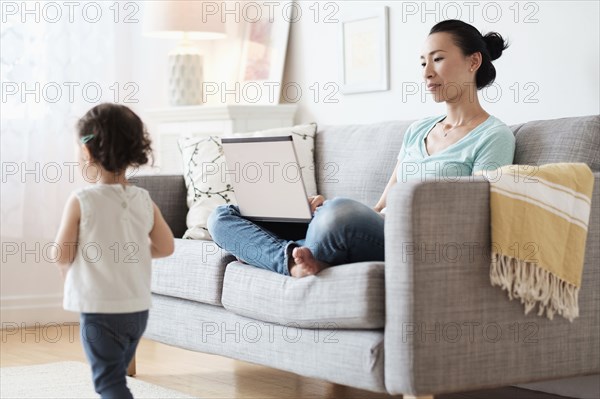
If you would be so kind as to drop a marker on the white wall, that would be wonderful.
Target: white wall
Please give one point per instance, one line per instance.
(558, 56)
(549, 71)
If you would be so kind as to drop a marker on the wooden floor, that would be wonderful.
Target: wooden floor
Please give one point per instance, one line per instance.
(202, 375)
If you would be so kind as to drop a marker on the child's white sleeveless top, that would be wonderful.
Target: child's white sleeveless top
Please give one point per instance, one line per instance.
(112, 269)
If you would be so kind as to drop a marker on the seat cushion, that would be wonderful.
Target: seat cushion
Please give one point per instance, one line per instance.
(194, 271)
(344, 296)
(575, 139)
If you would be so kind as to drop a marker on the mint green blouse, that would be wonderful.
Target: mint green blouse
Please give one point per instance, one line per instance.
(487, 147)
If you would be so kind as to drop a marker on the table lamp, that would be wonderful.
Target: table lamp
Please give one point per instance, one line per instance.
(184, 20)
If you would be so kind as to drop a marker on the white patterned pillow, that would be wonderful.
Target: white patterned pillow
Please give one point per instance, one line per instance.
(203, 161)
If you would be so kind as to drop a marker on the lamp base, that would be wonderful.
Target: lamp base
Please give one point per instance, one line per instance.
(185, 79)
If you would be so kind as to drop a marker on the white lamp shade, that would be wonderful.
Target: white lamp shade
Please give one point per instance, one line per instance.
(171, 19)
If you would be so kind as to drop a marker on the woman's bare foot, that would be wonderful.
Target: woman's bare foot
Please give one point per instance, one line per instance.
(305, 263)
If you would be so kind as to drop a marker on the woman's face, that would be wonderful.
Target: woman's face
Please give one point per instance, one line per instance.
(448, 74)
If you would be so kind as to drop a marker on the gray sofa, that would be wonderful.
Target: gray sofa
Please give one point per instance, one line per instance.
(425, 322)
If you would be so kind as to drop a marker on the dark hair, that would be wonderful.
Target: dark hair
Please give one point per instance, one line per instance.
(470, 41)
(119, 137)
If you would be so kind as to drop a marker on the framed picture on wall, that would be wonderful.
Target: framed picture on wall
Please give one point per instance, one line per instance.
(364, 61)
(264, 46)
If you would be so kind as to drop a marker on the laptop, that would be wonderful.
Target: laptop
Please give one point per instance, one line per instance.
(267, 179)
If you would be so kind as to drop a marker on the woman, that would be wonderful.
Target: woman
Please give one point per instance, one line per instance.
(456, 61)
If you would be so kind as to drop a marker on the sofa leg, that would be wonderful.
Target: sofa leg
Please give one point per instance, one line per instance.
(417, 397)
(131, 368)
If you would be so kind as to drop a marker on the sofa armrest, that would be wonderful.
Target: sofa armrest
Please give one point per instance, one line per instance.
(447, 329)
(169, 194)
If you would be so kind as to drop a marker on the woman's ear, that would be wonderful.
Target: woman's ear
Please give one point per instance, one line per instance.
(475, 61)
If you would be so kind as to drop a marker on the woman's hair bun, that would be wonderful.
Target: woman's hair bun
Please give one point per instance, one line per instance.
(495, 44)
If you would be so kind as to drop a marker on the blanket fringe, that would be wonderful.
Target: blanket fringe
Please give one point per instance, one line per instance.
(534, 285)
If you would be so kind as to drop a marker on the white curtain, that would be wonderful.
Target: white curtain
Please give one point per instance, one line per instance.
(52, 72)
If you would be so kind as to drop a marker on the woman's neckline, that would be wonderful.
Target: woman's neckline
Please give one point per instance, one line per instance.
(435, 122)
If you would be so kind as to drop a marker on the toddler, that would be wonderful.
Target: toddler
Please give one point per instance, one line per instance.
(109, 233)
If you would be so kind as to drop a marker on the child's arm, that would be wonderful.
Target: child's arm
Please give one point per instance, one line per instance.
(162, 243)
(65, 246)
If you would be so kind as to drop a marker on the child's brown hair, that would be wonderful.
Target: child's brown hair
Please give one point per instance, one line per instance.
(115, 136)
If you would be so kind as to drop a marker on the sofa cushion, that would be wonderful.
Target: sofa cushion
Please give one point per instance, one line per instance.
(575, 139)
(344, 296)
(356, 161)
(194, 271)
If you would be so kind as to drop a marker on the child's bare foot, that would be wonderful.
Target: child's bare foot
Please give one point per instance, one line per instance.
(304, 263)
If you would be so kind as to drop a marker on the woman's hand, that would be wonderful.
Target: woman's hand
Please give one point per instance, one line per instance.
(315, 201)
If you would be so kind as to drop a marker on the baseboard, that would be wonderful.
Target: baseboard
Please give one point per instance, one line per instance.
(31, 310)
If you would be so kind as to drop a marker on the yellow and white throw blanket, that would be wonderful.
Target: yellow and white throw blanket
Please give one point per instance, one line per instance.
(539, 222)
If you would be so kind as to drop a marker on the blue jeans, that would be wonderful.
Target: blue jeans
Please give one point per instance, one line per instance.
(109, 342)
(341, 231)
